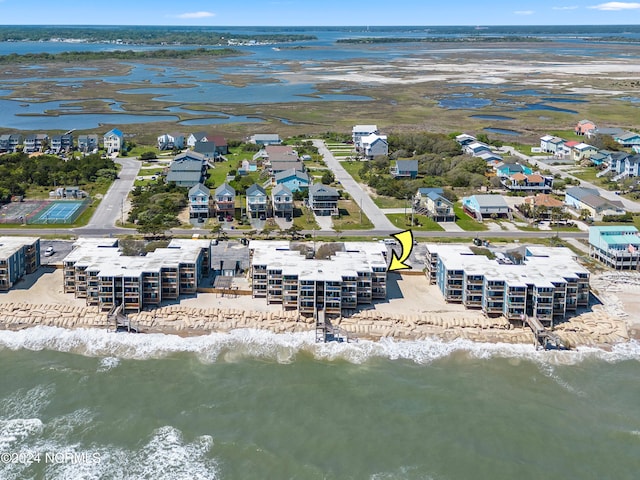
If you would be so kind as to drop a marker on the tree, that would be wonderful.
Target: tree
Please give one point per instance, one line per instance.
(294, 231)
(155, 229)
(327, 177)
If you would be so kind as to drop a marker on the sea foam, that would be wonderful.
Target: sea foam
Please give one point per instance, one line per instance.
(283, 348)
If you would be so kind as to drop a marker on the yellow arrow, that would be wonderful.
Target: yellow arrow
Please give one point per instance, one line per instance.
(406, 242)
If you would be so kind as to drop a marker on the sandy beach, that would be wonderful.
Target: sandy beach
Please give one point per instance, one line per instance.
(415, 310)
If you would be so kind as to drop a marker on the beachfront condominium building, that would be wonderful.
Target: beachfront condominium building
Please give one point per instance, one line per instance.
(356, 273)
(541, 282)
(97, 270)
(18, 257)
(617, 247)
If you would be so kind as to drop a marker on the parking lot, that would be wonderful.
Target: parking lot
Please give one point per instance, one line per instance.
(61, 248)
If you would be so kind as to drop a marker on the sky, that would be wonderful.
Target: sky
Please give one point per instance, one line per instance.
(317, 12)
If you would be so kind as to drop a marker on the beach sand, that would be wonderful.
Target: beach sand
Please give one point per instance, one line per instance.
(414, 310)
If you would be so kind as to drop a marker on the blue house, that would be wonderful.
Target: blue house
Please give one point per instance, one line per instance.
(431, 202)
(187, 169)
(508, 169)
(484, 206)
(616, 246)
(257, 201)
(293, 179)
(405, 169)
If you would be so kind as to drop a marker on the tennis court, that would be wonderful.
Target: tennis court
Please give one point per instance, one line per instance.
(65, 211)
(17, 212)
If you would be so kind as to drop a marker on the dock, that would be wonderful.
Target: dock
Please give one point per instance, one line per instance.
(543, 338)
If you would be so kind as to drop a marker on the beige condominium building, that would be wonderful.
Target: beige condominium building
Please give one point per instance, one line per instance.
(96, 270)
(18, 257)
(542, 282)
(356, 273)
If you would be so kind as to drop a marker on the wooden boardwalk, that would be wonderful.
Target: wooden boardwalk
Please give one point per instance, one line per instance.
(544, 338)
(326, 332)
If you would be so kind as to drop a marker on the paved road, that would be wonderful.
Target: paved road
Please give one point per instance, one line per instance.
(112, 204)
(370, 209)
(629, 205)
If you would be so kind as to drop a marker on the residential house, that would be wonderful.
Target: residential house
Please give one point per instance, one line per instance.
(196, 137)
(551, 144)
(616, 163)
(9, 142)
(600, 157)
(519, 182)
(605, 131)
(617, 246)
(490, 157)
(581, 198)
(374, 145)
(584, 126)
(225, 201)
(222, 148)
(35, 142)
(62, 143)
(359, 131)
(476, 148)
(265, 139)
(464, 139)
(431, 202)
(628, 139)
(294, 180)
(257, 201)
(113, 141)
(18, 256)
(543, 204)
(88, 143)
(277, 153)
(405, 169)
(199, 198)
(567, 148)
(508, 169)
(207, 150)
(187, 169)
(169, 141)
(246, 167)
(282, 202)
(582, 151)
(323, 200)
(486, 206)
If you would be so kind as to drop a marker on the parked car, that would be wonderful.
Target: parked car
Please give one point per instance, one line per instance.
(49, 251)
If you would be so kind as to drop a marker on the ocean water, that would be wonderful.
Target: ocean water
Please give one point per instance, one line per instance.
(88, 404)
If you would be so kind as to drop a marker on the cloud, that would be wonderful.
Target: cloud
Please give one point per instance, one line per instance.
(614, 6)
(524, 12)
(196, 15)
(565, 8)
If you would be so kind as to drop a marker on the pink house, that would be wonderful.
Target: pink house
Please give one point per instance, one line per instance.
(584, 126)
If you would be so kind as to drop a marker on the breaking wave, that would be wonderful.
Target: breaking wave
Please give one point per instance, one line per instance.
(284, 348)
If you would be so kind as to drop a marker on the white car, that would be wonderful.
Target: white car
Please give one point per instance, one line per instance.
(48, 251)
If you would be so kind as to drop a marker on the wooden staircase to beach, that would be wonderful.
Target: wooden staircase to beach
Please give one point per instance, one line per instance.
(326, 332)
(544, 338)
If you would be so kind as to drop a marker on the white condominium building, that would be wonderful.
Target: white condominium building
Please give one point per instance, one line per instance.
(96, 270)
(539, 281)
(355, 274)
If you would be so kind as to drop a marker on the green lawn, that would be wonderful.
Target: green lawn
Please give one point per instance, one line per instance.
(353, 168)
(426, 224)
(467, 223)
(303, 218)
(350, 217)
(383, 201)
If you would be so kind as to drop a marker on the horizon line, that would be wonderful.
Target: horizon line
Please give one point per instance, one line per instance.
(319, 26)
